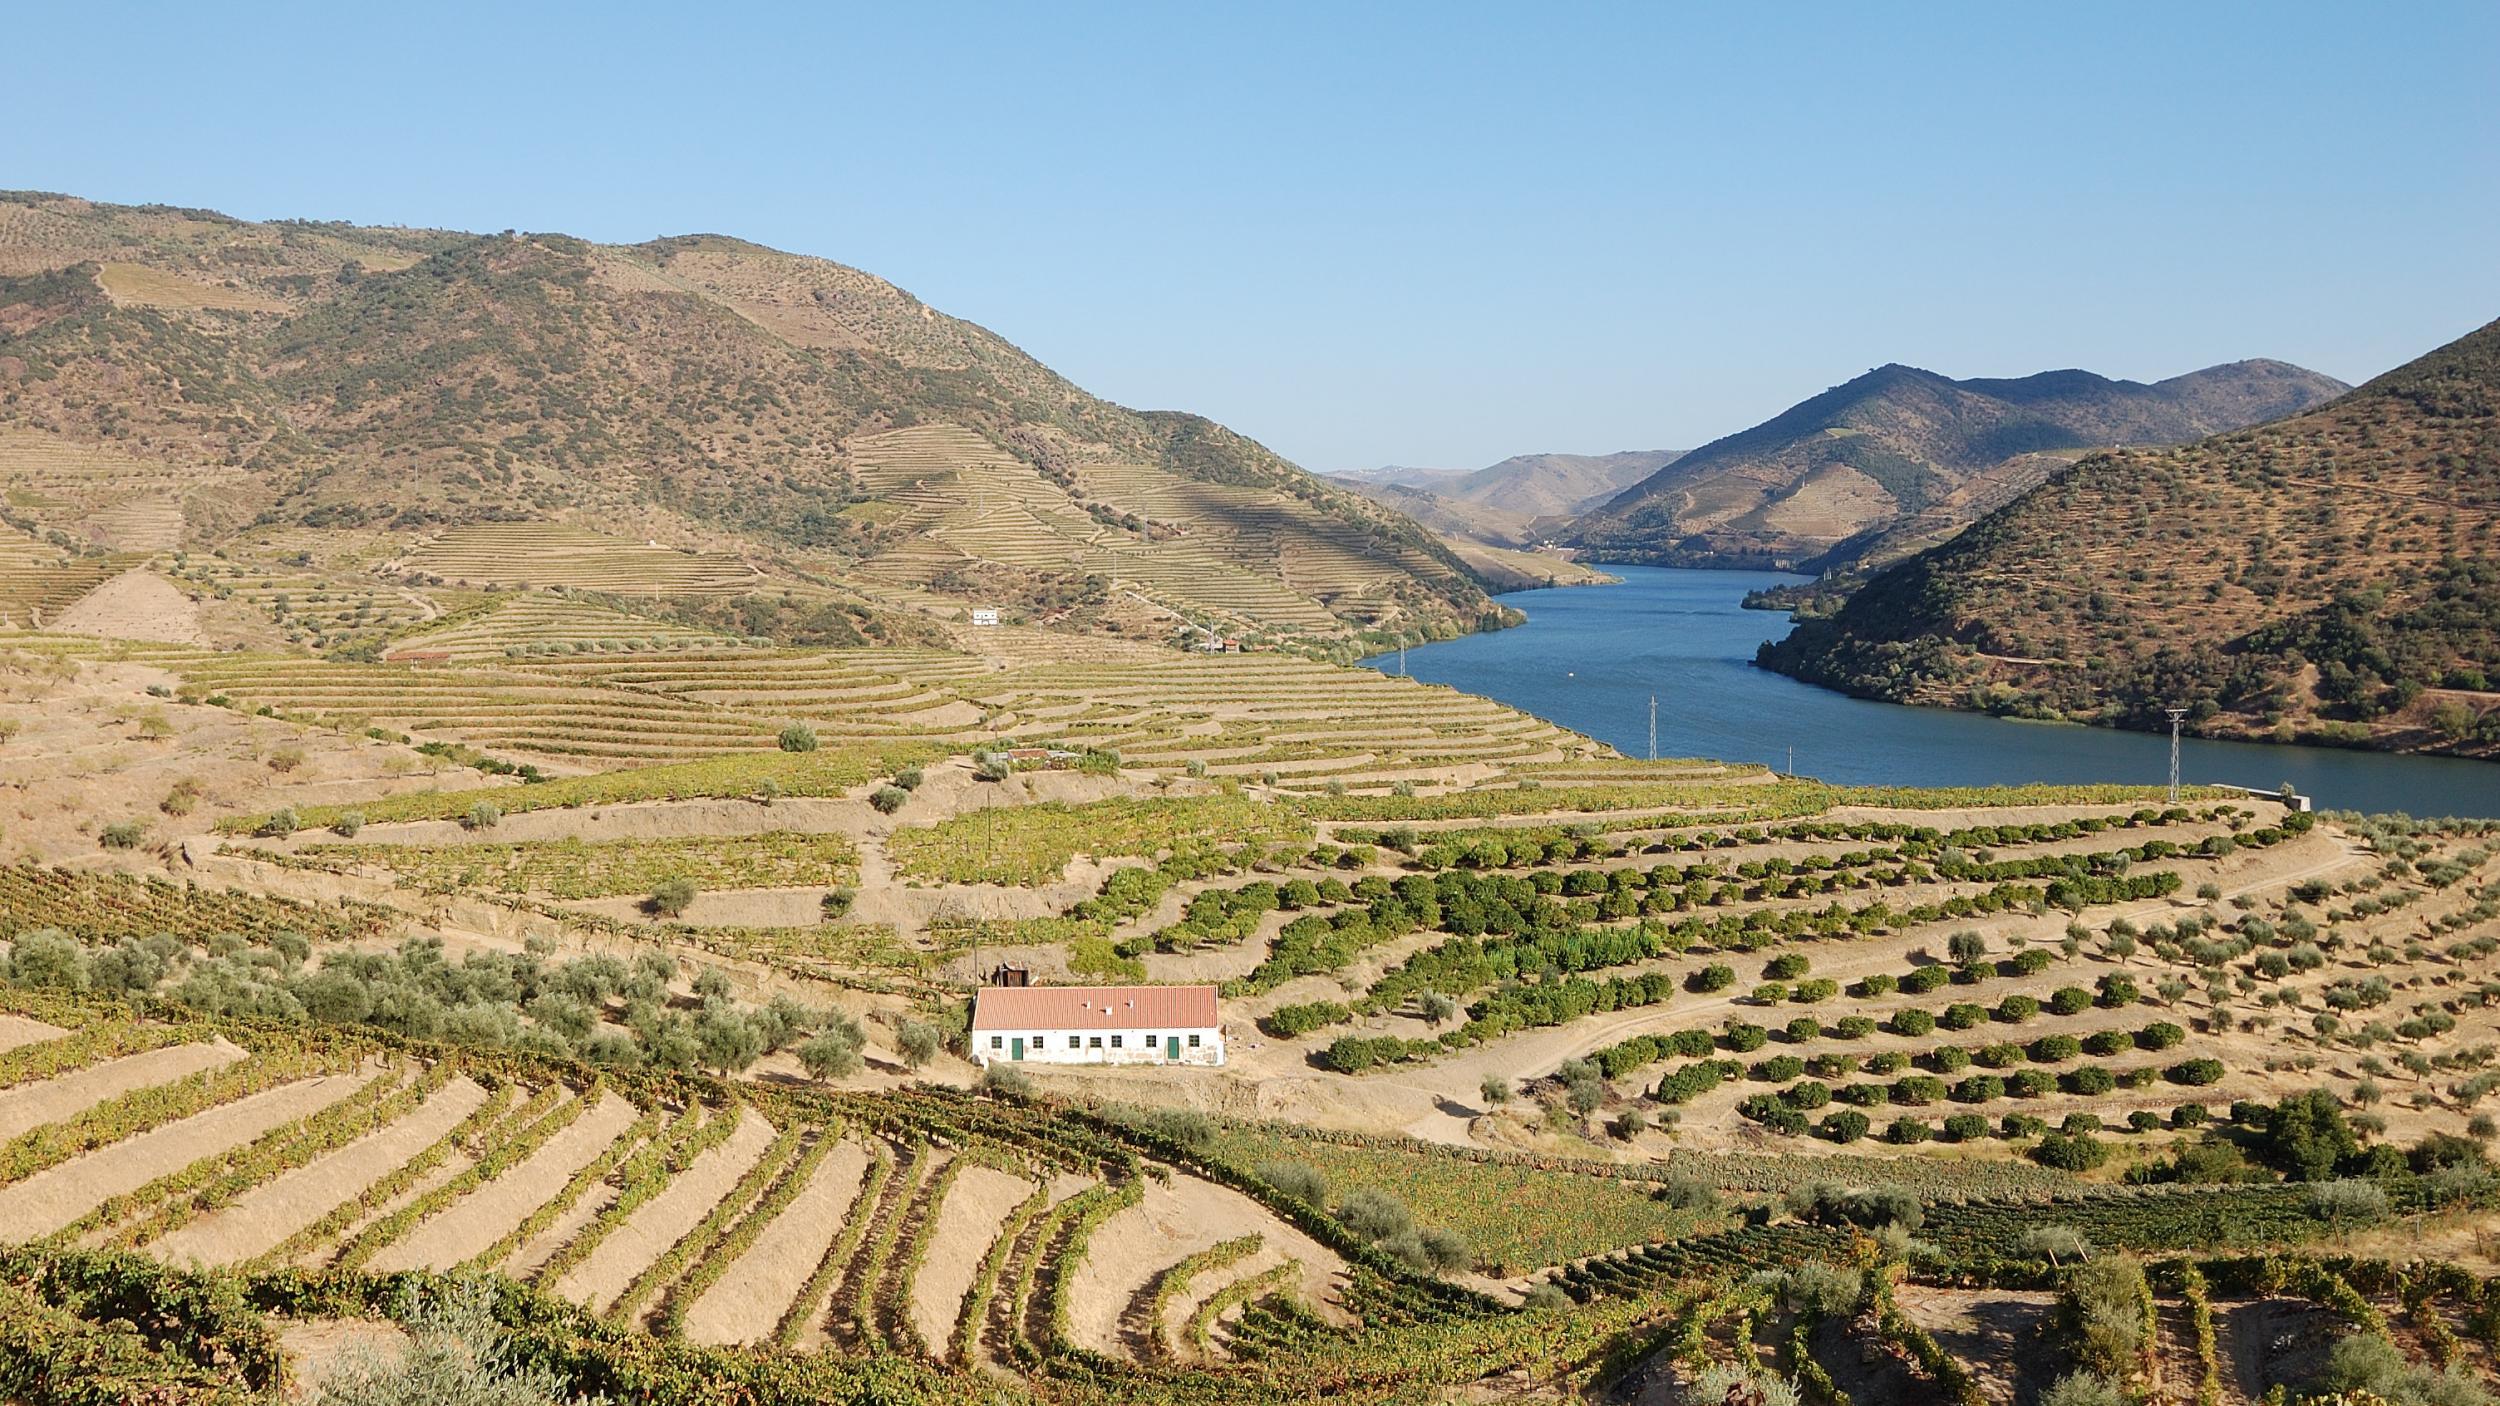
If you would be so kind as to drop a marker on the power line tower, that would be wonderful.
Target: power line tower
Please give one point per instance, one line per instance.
(1653, 727)
(2176, 715)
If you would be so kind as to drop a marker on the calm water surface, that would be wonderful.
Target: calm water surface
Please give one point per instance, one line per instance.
(1591, 656)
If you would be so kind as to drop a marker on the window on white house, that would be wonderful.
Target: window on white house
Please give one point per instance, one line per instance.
(1115, 1042)
(1094, 1043)
(1040, 1040)
(998, 1042)
(1193, 1042)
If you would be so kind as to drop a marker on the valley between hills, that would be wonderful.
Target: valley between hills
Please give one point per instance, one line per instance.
(511, 790)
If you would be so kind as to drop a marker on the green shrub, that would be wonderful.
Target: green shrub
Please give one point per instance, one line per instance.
(2070, 1152)
(671, 897)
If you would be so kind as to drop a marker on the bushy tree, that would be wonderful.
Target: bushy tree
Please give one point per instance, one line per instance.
(1725, 1382)
(2366, 1362)
(671, 897)
(918, 1042)
(2306, 1136)
(2083, 1389)
(834, 1051)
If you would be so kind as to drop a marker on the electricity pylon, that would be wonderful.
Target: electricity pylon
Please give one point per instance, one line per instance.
(2175, 715)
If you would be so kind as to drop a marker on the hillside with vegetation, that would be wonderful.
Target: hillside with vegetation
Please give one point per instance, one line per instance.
(579, 1004)
(2334, 577)
(503, 819)
(177, 379)
(1901, 458)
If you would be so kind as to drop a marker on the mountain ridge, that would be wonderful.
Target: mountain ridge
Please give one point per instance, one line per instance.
(695, 387)
(2328, 577)
(1902, 451)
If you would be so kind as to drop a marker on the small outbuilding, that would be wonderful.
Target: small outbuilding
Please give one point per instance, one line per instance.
(1096, 1025)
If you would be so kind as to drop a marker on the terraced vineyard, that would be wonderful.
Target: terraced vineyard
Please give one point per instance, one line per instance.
(959, 499)
(548, 554)
(943, 1228)
(39, 580)
(99, 494)
(1535, 1054)
(534, 626)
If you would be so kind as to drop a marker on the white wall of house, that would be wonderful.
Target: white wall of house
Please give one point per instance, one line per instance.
(1197, 1046)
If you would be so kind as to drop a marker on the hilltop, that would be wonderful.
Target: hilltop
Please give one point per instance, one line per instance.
(392, 391)
(1901, 457)
(2329, 577)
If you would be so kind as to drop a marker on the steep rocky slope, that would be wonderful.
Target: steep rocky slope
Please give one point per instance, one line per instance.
(2332, 576)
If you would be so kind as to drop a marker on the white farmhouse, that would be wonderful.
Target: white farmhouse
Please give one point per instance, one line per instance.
(1096, 1025)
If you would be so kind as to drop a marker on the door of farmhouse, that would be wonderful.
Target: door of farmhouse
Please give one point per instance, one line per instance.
(1015, 1048)
(1171, 1047)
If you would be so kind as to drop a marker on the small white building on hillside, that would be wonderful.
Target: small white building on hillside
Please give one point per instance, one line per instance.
(1096, 1025)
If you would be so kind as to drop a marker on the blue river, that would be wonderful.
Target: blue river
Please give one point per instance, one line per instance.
(1591, 657)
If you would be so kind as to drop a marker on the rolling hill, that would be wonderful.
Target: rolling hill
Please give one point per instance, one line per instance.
(2334, 576)
(1901, 457)
(815, 423)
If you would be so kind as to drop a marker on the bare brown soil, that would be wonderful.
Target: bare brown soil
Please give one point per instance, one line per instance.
(136, 605)
(33, 1105)
(318, 1350)
(53, 1198)
(265, 1216)
(664, 1219)
(1998, 1334)
(16, 1030)
(966, 1225)
(485, 1215)
(748, 1301)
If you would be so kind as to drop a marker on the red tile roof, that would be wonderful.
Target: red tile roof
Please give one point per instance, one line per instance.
(1094, 1008)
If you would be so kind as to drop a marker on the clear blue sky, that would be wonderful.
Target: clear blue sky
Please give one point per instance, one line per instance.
(1434, 233)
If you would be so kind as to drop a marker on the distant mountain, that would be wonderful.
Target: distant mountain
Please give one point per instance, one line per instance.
(1500, 547)
(1496, 517)
(1401, 475)
(1901, 456)
(815, 421)
(1556, 485)
(1527, 486)
(2334, 576)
